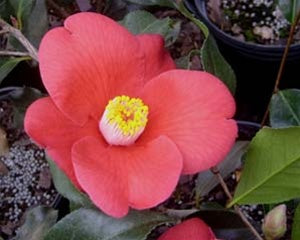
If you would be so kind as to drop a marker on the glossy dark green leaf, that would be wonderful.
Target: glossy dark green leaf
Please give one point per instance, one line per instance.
(285, 108)
(91, 224)
(296, 224)
(22, 10)
(225, 224)
(32, 16)
(213, 62)
(64, 186)
(179, 6)
(36, 24)
(271, 172)
(290, 8)
(139, 22)
(37, 223)
(8, 64)
(5, 10)
(206, 180)
(163, 3)
(3, 6)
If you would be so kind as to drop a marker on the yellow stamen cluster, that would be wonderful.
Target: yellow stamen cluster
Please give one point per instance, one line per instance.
(129, 114)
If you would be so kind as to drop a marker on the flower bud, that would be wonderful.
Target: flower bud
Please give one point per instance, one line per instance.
(274, 225)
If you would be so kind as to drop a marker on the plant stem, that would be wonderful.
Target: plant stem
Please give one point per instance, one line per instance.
(216, 172)
(32, 52)
(282, 63)
(13, 53)
(3, 32)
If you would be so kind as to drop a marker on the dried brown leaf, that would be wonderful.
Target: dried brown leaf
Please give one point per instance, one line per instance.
(4, 148)
(3, 169)
(216, 14)
(45, 178)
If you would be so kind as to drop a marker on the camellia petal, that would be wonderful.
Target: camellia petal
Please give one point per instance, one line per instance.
(153, 172)
(191, 108)
(191, 229)
(116, 178)
(87, 62)
(157, 58)
(48, 127)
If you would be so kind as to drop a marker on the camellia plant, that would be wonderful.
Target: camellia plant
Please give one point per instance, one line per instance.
(119, 121)
(124, 126)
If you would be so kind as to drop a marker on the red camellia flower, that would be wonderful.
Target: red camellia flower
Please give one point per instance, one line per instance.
(120, 121)
(191, 229)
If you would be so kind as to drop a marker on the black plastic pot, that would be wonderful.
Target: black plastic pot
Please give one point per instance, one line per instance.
(247, 130)
(255, 65)
(255, 51)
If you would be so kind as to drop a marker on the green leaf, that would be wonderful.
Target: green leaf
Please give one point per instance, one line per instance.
(296, 224)
(163, 3)
(206, 180)
(8, 64)
(272, 168)
(138, 22)
(180, 7)
(36, 24)
(213, 62)
(285, 108)
(64, 186)
(5, 10)
(22, 10)
(32, 17)
(38, 221)
(90, 224)
(290, 8)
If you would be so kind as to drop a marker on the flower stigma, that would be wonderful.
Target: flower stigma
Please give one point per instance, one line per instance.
(123, 120)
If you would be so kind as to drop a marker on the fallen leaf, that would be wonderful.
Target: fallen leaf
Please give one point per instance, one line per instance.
(45, 178)
(4, 148)
(3, 169)
(8, 228)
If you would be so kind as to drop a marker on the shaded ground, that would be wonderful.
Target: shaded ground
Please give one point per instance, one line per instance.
(25, 179)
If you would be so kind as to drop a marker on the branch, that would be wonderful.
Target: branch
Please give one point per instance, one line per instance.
(14, 53)
(216, 172)
(32, 52)
(282, 63)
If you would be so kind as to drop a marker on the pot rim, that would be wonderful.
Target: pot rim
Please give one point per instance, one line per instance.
(200, 7)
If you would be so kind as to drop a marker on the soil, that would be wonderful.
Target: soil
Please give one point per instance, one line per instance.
(261, 23)
(25, 179)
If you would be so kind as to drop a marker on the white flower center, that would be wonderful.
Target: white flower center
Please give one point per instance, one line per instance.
(123, 120)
